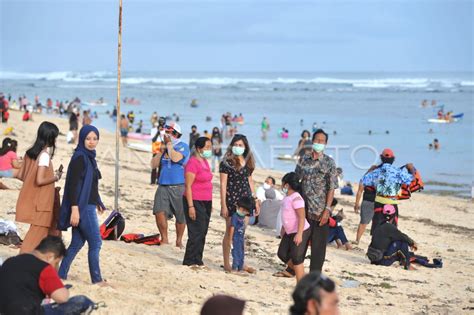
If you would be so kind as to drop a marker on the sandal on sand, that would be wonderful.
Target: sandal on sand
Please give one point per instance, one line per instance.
(283, 274)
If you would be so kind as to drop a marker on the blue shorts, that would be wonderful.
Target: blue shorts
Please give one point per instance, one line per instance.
(123, 132)
(6, 174)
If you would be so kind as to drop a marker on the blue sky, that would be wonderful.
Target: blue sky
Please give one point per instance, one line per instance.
(194, 35)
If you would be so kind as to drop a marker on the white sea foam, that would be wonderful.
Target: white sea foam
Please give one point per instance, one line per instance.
(228, 81)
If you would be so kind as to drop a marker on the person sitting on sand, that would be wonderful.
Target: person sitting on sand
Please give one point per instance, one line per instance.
(27, 279)
(389, 244)
(245, 208)
(336, 231)
(268, 184)
(172, 157)
(27, 116)
(295, 232)
(9, 162)
(387, 180)
(315, 294)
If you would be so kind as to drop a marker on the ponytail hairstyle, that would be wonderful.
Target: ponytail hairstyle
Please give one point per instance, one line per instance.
(293, 180)
(200, 144)
(46, 137)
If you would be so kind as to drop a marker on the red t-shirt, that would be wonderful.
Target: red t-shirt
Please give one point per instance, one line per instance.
(49, 280)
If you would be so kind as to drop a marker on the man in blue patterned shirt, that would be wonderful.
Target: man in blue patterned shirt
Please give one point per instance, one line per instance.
(387, 180)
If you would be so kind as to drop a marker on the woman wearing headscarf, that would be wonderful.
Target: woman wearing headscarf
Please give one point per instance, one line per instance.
(80, 201)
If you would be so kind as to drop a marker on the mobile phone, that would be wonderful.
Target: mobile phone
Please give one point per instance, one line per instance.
(60, 168)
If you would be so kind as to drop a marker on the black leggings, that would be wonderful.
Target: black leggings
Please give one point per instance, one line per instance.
(197, 231)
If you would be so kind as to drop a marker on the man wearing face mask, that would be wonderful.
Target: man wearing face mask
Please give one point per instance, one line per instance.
(171, 159)
(319, 180)
(268, 184)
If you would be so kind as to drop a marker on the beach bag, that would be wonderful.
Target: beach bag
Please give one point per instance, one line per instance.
(131, 237)
(415, 185)
(149, 240)
(374, 254)
(107, 229)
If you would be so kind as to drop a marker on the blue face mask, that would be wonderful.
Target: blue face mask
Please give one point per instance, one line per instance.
(238, 150)
(318, 147)
(240, 214)
(175, 141)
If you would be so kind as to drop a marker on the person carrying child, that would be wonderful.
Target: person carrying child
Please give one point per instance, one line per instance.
(245, 207)
(336, 231)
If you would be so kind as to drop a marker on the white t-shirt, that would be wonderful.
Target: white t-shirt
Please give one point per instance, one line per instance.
(44, 159)
(261, 194)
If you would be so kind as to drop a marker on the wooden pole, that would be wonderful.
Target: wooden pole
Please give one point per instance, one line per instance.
(117, 131)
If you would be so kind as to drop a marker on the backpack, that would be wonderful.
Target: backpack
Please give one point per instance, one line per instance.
(415, 185)
(374, 254)
(107, 229)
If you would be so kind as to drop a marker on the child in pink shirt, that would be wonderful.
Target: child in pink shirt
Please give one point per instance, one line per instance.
(295, 232)
(9, 162)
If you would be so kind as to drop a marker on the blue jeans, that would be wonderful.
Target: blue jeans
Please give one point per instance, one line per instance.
(88, 230)
(397, 251)
(75, 305)
(337, 233)
(238, 251)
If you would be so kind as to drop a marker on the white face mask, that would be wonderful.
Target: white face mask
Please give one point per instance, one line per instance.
(266, 186)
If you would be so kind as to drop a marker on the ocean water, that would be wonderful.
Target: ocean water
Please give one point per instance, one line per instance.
(348, 104)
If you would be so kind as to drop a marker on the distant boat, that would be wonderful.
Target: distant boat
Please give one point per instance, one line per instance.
(142, 147)
(458, 116)
(287, 157)
(442, 121)
(95, 103)
(138, 136)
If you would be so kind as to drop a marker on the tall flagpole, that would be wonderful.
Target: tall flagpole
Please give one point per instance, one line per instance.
(117, 130)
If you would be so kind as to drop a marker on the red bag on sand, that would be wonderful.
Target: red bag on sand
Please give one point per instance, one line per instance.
(149, 240)
(141, 239)
(128, 238)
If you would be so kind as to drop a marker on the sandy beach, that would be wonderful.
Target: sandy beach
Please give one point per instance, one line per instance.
(151, 279)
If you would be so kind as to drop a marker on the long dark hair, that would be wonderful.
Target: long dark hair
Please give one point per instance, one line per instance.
(216, 133)
(46, 137)
(233, 160)
(8, 145)
(293, 180)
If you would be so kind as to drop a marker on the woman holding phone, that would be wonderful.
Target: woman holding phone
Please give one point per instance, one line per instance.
(38, 176)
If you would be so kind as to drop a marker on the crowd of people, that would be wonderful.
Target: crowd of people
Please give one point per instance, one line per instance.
(303, 212)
